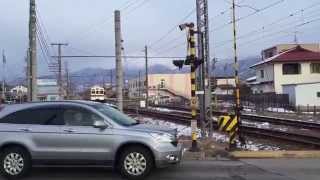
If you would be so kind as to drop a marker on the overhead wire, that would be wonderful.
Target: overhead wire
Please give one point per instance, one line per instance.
(136, 7)
(151, 45)
(127, 5)
(41, 45)
(268, 26)
(248, 15)
(264, 37)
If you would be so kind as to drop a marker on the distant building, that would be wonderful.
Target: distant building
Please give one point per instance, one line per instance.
(18, 94)
(162, 87)
(280, 48)
(305, 94)
(48, 90)
(19, 90)
(281, 69)
(224, 85)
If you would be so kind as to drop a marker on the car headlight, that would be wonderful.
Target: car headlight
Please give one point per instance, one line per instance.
(162, 137)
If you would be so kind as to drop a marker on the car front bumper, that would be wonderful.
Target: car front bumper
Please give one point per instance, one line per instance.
(171, 156)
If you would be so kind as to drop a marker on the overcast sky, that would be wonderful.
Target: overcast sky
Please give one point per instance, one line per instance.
(87, 25)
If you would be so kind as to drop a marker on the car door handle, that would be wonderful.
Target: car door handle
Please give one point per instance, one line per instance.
(69, 130)
(25, 129)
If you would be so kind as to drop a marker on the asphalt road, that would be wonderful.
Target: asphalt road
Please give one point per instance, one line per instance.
(199, 170)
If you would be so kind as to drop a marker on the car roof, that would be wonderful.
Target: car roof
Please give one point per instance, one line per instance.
(8, 109)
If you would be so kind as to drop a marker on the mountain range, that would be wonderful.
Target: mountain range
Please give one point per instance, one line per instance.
(92, 76)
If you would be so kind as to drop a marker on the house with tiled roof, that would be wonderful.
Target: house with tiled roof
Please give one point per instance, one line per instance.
(284, 71)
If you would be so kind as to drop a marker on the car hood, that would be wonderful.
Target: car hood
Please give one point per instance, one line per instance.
(153, 128)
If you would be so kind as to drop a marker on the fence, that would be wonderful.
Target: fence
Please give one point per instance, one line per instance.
(261, 103)
(259, 100)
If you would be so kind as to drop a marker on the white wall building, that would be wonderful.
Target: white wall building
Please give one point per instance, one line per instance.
(48, 90)
(19, 90)
(291, 67)
(162, 87)
(306, 94)
(224, 85)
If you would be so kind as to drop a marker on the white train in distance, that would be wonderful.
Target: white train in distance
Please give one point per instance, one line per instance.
(97, 93)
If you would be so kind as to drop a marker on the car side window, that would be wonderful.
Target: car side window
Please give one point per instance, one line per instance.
(42, 116)
(79, 117)
(19, 117)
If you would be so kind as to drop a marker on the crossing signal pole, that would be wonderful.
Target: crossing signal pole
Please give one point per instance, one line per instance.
(194, 62)
(237, 81)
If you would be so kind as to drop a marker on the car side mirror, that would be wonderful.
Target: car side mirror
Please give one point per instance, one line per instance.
(100, 124)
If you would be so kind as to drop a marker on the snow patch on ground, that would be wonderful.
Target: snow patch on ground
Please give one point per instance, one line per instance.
(161, 109)
(282, 110)
(264, 125)
(253, 146)
(182, 130)
(218, 137)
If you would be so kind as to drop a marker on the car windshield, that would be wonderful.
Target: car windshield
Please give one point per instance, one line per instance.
(115, 115)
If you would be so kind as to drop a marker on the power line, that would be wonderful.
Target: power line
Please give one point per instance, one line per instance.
(43, 40)
(128, 57)
(250, 34)
(249, 15)
(127, 4)
(277, 32)
(137, 7)
(171, 48)
(220, 14)
(165, 45)
(40, 19)
(44, 54)
(271, 39)
(95, 27)
(172, 29)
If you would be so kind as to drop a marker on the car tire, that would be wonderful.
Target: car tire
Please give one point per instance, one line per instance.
(15, 163)
(135, 163)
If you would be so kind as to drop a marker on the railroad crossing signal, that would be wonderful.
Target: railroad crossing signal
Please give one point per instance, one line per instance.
(229, 124)
(194, 62)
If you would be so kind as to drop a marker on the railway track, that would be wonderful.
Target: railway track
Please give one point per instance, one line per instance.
(259, 118)
(184, 119)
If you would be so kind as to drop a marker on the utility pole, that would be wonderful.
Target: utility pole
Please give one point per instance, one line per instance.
(60, 84)
(68, 80)
(147, 74)
(111, 79)
(204, 71)
(119, 71)
(139, 85)
(32, 54)
(236, 75)
(4, 61)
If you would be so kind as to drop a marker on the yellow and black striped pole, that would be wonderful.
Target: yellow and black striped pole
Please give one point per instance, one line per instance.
(237, 81)
(194, 63)
(192, 56)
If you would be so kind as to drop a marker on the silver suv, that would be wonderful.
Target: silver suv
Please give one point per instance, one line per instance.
(81, 133)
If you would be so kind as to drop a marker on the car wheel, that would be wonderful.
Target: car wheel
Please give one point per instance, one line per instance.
(15, 163)
(135, 163)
